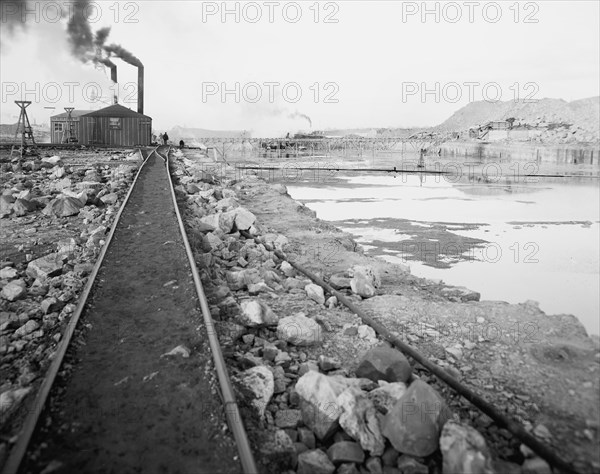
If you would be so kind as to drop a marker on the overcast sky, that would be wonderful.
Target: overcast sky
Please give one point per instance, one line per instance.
(343, 64)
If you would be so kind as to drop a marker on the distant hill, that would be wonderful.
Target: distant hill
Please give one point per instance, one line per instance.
(580, 118)
(41, 133)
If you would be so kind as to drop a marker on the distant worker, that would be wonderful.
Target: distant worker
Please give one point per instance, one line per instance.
(181, 144)
(165, 138)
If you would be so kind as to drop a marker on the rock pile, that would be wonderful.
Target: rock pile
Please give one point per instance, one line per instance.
(313, 416)
(38, 293)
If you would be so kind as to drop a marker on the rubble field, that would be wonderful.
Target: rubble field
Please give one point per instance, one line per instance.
(55, 212)
(319, 391)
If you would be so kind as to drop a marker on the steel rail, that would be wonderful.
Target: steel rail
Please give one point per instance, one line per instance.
(232, 412)
(543, 450)
(24, 437)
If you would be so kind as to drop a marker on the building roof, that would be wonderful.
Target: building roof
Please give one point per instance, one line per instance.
(74, 113)
(115, 110)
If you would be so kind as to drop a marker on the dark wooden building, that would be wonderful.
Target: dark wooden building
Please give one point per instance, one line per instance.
(112, 126)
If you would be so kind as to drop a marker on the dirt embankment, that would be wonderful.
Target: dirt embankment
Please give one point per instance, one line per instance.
(540, 369)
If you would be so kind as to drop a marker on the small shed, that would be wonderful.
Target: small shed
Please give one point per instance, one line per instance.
(112, 126)
(59, 125)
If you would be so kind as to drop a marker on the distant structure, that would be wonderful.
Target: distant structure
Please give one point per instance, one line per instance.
(500, 130)
(24, 130)
(114, 125)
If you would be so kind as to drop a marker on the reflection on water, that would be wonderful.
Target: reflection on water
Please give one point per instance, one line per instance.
(542, 237)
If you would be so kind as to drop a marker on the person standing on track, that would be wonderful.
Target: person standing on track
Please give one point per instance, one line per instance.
(165, 138)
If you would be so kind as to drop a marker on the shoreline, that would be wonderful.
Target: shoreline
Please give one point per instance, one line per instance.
(508, 352)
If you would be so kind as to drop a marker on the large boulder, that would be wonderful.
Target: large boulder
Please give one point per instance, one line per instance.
(299, 330)
(46, 267)
(413, 425)
(221, 220)
(384, 363)
(318, 403)
(259, 385)
(359, 420)
(364, 281)
(244, 219)
(464, 450)
(63, 207)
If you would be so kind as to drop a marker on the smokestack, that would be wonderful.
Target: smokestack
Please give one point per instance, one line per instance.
(141, 89)
(113, 78)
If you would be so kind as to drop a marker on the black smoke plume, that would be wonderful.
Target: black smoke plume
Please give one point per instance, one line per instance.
(297, 114)
(120, 52)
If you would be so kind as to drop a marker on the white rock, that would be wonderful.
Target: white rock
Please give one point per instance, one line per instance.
(67, 245)
(14, 290)
(318, 403)
(367, 332)
(260, 382)
(255, 313)
(287, 269)
(29, 327)
(53, 160)
(362, 287)
(464, 449)
(25, 194)
(8, 272)
(244, 219)
(456, 352)
(110, 198)
(368, 273)
(179, 350)
(11, 398)
(359, 420)
(222, 220)
(315, 293)
(299, 330)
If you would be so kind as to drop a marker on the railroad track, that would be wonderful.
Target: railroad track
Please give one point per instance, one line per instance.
(119, 403)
